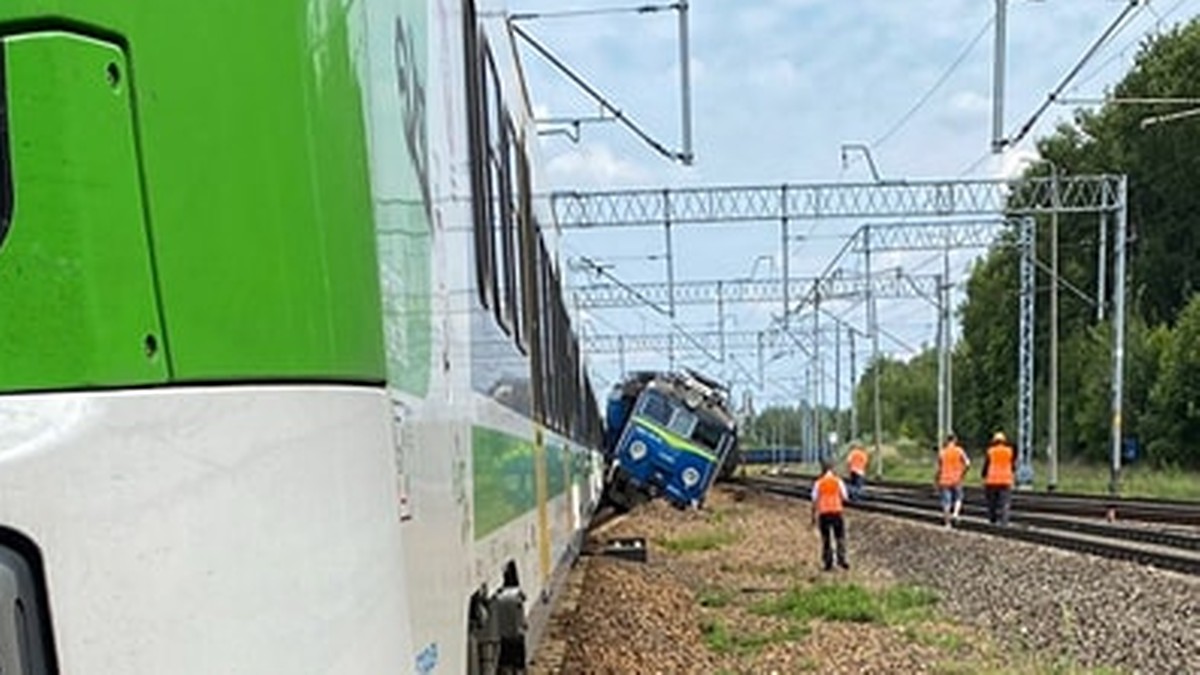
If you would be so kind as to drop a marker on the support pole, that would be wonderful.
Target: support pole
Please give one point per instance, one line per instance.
(1052, 454)
(762, 382)
(998, 140)
(721, 318)
(670, 253)
(685, 85)
(1102, 267)
(853, 391)
(1026, 239)
(948, 309)
(941, 352)
(837, 384)
(1118, 376)
(783, 255)
(816, 361)
(873, 329)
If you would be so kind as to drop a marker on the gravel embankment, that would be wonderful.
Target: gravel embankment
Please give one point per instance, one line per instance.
(1001, 605)
(1096, 612)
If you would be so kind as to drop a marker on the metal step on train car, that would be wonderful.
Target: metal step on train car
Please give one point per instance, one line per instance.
(668, 434)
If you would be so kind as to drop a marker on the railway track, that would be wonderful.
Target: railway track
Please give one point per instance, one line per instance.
(1176, 512)
(1079, 530)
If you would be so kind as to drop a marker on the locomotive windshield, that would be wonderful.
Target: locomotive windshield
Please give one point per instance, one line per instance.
(674, 416)
(709, 433)
(655, 407)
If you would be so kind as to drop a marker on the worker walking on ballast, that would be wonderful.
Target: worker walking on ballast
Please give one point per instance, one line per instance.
(998, 478)
(952, 466)
(828, 500)
(856, 465)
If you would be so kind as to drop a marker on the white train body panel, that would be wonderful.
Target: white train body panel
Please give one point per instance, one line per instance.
(206, 530)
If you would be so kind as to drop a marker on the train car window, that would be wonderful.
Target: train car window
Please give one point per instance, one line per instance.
(573, 390)
(654, 407)
(527, 234)
(495, 168)
(709, 433)
(563, 358)
(544, 329)
(514, 238)
(477, 86)
(498, 188)
(682, 422)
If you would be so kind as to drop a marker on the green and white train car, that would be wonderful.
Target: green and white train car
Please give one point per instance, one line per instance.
(286, 377)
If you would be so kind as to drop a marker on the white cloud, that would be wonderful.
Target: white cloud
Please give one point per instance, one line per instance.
(1015, 161)
(778, 74)
(970, 103)
(593, 165)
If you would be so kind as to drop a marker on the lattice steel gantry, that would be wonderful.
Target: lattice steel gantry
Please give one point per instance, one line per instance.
(928, 199)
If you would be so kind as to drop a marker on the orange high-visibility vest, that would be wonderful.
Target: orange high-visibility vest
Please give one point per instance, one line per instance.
(828, 489)
(952, 463)
(857, 461)
(1000, 465)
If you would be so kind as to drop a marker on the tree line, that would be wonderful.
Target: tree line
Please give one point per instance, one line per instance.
(1162, 360)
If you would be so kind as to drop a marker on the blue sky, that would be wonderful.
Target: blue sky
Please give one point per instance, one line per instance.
(778, 87)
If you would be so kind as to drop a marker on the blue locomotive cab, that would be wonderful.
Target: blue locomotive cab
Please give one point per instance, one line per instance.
(674, 444)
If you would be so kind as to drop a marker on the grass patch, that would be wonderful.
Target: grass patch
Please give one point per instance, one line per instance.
(714, 597)
(834, 602)
(850, 602)
(704, 541)
(721, 640)
(907, 602)
(940, 639)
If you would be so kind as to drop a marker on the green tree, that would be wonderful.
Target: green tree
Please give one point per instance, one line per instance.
(908, 397)
(1160, 162)
(1173, 423)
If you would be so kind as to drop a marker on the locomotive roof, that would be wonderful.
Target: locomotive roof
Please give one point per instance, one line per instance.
(713, 397)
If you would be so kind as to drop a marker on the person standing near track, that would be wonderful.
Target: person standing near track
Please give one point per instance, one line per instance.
(998, 478)
(828, 501)
(952, 466)
(856, 463)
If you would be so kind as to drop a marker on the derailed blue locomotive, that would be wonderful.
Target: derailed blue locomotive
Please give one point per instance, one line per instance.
(668, 434)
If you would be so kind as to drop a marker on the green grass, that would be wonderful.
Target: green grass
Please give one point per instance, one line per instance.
(704, 541)
(714, 597)
(834, 602)
(942, 640)
(721, 640)
(850, 602)
(905, 602)
(1136, 480)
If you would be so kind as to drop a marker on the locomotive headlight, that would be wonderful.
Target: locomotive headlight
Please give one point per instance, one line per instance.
(637, 450)
(691, 476)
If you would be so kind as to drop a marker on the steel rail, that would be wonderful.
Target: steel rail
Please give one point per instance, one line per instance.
(1162, 511)
(1179, 561)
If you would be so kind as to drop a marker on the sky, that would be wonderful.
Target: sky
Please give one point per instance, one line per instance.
(778, 86)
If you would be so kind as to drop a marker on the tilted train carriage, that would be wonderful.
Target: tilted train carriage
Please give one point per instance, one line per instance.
(668, 434)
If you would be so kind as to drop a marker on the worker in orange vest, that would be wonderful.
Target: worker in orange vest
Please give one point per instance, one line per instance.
(952, 466)
(998, 478)
(856, 463)
(828, 498)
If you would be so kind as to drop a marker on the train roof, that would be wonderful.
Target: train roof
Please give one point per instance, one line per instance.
(694, 389)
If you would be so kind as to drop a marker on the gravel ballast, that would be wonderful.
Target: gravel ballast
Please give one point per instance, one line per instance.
(697, 605)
